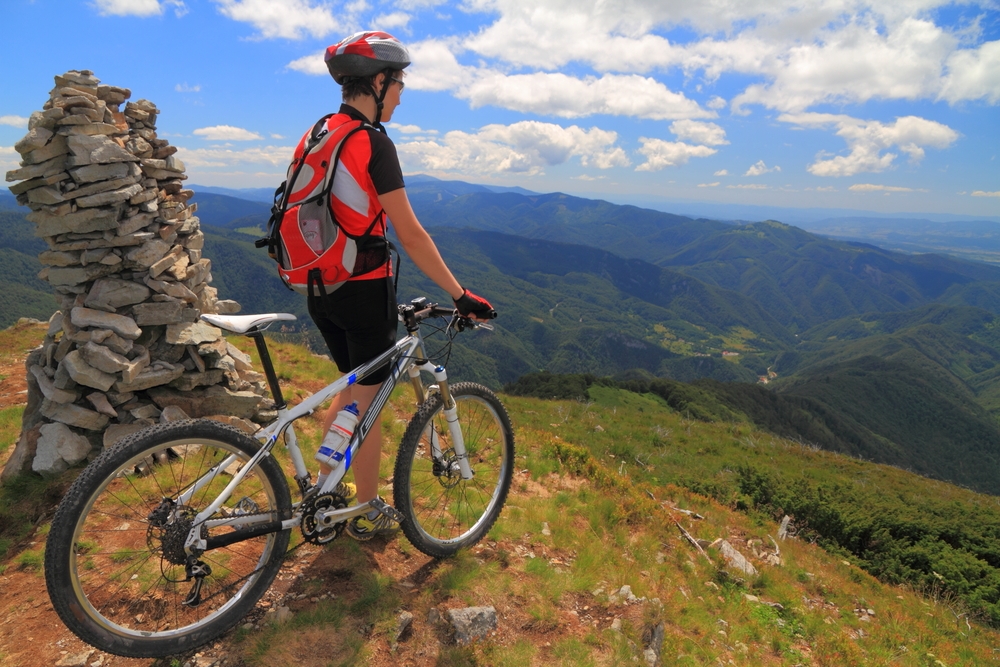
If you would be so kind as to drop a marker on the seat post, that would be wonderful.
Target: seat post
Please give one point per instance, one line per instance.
(265, 360)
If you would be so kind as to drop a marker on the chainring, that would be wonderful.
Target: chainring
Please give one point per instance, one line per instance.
(314, 532)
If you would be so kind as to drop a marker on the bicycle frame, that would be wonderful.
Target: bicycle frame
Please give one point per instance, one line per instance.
(405, 356)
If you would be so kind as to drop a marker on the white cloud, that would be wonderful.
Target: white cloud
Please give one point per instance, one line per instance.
(871, 187)
(709, 185)
(748, 186)
(129, 7)
(139, 7)
(698, 132)
(288, 19)
(846, 62)
(721, 172)
(973, 74)
(278, 156)
(867, 139)
(570, 97)
(9, 159)
(801, 54)
(392, 21)
(312, 64)
(436, 68)
(524, 147)
(661, 154)
(14, 121)
(184, 88)
(276, 136)
(409, 129)
(758, 168)
(226, 133)
(983, 193)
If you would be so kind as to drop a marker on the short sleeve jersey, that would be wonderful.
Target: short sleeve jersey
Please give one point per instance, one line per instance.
(384, 164)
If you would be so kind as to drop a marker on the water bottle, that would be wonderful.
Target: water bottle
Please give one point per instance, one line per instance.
(331, 451)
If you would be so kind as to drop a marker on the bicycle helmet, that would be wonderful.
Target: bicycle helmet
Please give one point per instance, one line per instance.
(365, 54)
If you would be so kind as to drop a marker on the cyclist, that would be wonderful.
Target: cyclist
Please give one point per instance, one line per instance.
(358, 320)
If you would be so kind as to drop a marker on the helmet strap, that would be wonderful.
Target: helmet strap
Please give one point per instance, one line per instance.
(380, 98)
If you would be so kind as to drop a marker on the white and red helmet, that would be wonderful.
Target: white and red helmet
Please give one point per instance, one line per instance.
(365, 54)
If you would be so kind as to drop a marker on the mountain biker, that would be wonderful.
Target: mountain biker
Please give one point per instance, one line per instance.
(358, 320)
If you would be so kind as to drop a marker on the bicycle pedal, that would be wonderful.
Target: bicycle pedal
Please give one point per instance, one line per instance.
(387, 509)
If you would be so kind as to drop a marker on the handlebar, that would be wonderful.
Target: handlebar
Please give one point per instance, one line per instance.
(419, 310)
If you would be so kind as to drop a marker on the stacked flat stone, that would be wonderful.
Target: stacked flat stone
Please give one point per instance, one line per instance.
(125, 261)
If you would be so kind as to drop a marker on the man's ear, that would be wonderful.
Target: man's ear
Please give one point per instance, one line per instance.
(378, 82)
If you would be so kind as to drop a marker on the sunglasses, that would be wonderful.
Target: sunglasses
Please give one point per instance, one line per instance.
(402, 85)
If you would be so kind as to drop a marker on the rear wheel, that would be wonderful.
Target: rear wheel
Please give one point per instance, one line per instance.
(445, 512)
(115, 564)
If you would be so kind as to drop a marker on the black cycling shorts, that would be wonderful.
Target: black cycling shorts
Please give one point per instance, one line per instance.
(356, 324)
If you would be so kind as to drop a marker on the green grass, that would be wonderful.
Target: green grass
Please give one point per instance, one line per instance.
(10, 425)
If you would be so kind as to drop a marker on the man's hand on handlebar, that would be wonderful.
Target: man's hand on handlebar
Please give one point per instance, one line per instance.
(475, 307)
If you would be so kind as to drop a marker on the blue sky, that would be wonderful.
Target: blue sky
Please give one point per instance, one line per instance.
(887, 106)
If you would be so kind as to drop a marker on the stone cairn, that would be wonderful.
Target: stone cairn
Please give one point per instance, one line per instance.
(126, 349)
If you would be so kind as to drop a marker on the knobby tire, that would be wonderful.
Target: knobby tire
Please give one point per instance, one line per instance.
(445, 513)
(106, 562)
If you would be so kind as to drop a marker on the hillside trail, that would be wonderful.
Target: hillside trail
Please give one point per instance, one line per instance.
(32, 635)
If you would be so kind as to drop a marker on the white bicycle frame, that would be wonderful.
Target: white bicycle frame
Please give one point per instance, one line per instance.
(405, 356)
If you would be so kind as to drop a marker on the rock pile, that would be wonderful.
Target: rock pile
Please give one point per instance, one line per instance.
(125, 260)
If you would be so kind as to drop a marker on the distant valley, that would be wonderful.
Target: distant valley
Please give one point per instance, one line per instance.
(884, 355)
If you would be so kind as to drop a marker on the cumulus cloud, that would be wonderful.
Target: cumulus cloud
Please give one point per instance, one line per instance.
(288, 19)
(436, 68)
(311, 64)
(871, 187)
(409, 129)
(973, 74)
(758, 168)
(983, 193)
(226, 133)
(709, 185)
(14, 121)
(392, 21)
(139, 7)
(9, 159)
(867, 139)
(661, 154)
(721, 172)
(801, 53)
(524, 147)
(748, 186)
(571, 97)
(698, 132)
(278, 156)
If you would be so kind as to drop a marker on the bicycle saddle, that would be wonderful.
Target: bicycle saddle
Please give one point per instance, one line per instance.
(243, 323)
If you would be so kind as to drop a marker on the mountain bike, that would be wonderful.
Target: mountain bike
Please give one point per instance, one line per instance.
(171, 536)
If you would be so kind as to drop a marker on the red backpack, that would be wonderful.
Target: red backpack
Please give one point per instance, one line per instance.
(315, 254)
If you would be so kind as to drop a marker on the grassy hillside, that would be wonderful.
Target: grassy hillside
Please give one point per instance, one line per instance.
(22, 294)
(596, 505)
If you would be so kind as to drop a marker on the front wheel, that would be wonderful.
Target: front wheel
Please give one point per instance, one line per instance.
(115, 564)
(443, 511)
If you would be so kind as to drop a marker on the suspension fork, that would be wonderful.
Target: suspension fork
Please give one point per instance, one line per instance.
(454, 428)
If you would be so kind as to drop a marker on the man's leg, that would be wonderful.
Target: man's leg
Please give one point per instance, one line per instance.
(369, 456)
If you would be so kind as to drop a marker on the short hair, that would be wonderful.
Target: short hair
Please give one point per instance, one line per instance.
(363, 85)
